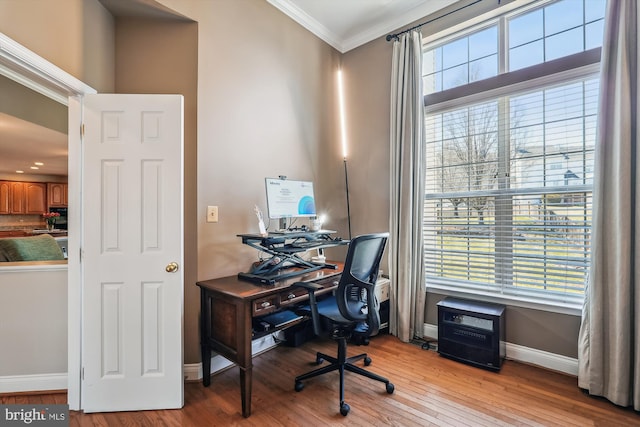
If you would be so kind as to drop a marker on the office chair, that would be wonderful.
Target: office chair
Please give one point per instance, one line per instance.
(353, 310)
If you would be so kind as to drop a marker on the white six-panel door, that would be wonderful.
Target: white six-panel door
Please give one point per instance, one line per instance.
(132, 253)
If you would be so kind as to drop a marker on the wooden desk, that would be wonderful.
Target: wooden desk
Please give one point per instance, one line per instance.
(228, 306)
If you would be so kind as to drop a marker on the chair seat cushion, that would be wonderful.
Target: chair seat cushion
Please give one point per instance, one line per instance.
(328, 308)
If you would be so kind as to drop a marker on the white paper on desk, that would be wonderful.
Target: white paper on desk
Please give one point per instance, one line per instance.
(261, 227)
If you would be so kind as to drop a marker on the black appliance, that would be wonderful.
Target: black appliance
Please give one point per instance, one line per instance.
(61, 222)
(472, 332)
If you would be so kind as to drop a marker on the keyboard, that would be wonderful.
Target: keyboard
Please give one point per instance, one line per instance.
(298, 231)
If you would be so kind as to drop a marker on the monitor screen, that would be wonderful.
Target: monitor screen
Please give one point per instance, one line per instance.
(288, 198)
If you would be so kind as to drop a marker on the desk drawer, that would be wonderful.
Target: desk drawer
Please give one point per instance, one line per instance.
(293, 296)
(290, 296)
(265, 305)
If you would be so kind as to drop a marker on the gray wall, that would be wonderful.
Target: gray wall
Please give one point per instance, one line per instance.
(33, 323)
(75, 35)
(23, 103)
(266, 102)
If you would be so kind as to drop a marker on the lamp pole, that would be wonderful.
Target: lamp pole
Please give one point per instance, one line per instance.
(346, 182)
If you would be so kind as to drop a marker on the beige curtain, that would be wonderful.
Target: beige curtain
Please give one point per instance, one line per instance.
(407, 189)
(609, 340)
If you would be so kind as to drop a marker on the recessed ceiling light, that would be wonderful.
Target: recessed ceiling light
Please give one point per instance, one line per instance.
(34, 167)
(38, 163)
(19, 171)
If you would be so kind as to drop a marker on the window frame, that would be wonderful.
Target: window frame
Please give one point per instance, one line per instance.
(582, 65)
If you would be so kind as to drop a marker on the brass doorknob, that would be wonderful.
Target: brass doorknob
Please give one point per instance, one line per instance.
(172, 267)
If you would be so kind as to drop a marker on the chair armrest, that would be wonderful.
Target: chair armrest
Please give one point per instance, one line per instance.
(311, 287)
(372, 316)
(313, 303)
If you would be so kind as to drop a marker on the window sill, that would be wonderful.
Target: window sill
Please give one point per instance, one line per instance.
(511, 300)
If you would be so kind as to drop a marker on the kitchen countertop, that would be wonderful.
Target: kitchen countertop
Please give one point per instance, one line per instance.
(13, 232)
(44, 230)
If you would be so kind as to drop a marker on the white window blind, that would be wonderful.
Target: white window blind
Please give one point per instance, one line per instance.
(509, 171)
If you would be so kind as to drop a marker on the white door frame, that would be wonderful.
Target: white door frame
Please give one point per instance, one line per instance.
(27, 68)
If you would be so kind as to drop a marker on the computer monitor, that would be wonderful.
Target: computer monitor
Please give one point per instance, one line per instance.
(287, 198)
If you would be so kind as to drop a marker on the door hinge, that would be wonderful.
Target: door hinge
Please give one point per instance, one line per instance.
(82, 129)
(82, 374)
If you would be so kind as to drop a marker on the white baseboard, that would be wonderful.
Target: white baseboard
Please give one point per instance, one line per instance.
(26, 383)
(556, 362)
(430, 331)
(192, 372)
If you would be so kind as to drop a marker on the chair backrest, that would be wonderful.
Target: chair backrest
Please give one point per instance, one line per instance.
(355, 295)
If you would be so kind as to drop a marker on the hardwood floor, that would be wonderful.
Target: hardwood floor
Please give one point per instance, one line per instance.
(429, 391)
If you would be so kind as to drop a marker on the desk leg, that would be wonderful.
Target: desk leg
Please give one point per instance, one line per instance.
(206, 365)
(245, 390)
(205, 333)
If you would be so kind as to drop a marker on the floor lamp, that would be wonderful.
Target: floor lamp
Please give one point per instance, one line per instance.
(346, 183)
(343, 133)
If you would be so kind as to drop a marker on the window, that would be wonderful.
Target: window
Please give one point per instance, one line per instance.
(467, 59)
(559, 29)
(509, 167)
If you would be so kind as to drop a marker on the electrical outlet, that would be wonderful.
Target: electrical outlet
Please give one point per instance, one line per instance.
(212, 214)
(383, 289)
(384, 295)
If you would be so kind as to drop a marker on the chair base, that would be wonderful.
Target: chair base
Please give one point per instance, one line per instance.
(340, 364)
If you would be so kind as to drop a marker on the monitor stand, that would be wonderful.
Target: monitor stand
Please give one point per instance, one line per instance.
(282, 224)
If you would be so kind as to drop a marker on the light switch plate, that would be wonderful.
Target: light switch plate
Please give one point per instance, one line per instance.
(212, 214)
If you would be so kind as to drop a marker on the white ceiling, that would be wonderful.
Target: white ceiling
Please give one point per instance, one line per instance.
(23, 143)
(347, 24)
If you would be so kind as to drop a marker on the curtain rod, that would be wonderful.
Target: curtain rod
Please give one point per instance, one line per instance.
(395, 36)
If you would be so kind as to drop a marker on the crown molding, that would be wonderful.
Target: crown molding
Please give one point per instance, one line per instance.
(307, 21)
(359, 37)
(394, 24)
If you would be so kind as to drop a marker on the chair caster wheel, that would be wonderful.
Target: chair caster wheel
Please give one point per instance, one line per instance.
(344, 409)
(390, 388)
(299, 386)
(367, 361)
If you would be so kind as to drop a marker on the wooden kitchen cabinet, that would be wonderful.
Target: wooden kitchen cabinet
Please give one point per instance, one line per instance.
(35, 198)
(57, 194)
(5, 190)
(16, 198)
(23, 197)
